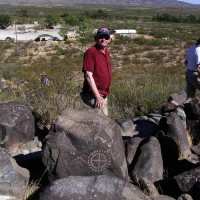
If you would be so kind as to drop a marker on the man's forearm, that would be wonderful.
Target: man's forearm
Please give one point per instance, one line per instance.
(99, 99)
(92, 84)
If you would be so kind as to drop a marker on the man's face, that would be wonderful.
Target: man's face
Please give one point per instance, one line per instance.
(103, 41)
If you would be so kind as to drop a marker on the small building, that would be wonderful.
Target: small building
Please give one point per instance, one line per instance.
(71, 35)
(125, 32)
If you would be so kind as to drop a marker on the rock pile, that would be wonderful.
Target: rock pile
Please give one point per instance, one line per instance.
(90, 156)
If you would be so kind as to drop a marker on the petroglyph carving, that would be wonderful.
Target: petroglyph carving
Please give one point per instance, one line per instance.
(98, 160)
(10, 113)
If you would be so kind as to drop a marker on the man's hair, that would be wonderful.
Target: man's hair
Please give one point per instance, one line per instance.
(198, 41)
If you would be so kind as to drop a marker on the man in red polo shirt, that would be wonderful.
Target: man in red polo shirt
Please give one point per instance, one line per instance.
(97, 72)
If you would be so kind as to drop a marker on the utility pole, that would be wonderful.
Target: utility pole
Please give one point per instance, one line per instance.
(15, 32)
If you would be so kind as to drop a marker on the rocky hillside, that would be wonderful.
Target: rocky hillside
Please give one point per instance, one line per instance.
(114, 2)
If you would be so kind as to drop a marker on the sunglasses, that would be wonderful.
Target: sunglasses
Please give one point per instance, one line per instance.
(106, 37)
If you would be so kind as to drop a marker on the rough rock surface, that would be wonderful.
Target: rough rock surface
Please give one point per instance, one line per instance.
(185, 197)
(179, 98)
(127, 126)
(145, 127)
(92, 187)
(17, 125)
(173, 127)
(132, 146)
(161, 197)
(187, 180)
(192, 108)
(149, 164)
(85, 143)
(13, 178)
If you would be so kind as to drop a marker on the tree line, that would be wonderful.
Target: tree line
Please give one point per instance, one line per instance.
(48, 21)
(165, 17)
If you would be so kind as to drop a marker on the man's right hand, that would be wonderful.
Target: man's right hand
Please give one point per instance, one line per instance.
(100, 101)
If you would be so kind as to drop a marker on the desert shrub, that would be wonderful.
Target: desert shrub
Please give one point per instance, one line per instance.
(142, 79)
(5, 21)
(9, 71)
(122, 39)
(87, 39)
(149, 43)
(140, 40)
(7, 96)
(99, 14)
(47, 101)
(155, 56)
(5, 45)
(142, 95)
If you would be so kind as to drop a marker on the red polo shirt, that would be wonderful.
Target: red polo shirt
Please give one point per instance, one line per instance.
(99, 64)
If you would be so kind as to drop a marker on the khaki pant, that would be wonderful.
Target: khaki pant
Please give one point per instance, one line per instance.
(90, 100)
(193, 83)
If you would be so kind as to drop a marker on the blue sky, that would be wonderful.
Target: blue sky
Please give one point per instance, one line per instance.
(191, 1)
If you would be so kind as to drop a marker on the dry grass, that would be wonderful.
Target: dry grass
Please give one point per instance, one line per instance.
(145, 69)
(31, 189)
(189, 137)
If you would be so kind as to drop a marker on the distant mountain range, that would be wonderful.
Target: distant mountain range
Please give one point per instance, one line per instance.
(114, 2)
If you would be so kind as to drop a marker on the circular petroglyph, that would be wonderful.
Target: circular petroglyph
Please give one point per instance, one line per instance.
(98, 160)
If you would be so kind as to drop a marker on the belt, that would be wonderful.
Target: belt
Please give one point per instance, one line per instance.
(103, 95)
(91, 94)
(192, 70)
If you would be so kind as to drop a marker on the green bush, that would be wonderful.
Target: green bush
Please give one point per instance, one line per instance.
(142, 95)
(145, 71)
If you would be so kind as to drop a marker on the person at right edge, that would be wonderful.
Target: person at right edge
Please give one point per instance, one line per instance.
(97, 73)
(192, 76)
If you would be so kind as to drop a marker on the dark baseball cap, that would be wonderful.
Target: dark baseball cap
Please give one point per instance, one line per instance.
(103, 31)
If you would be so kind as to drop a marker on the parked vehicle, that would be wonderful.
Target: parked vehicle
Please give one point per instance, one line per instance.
(37, 39)
(44, 37)
(9, 39)
(56, 39)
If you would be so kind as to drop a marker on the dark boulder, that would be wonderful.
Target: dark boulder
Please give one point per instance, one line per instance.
(196, 149)
(127, 126)
(132, 146)
(92, 187)
(170, 152)
(192, 109)
(173, 127)
(13, 178)
(187, 180)
(17, 125)
(185, 197)
(178, 98)
(169, 107)
(145, 127)
(161, 197)
(149, 164)
(193, 127)
(84, 143)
